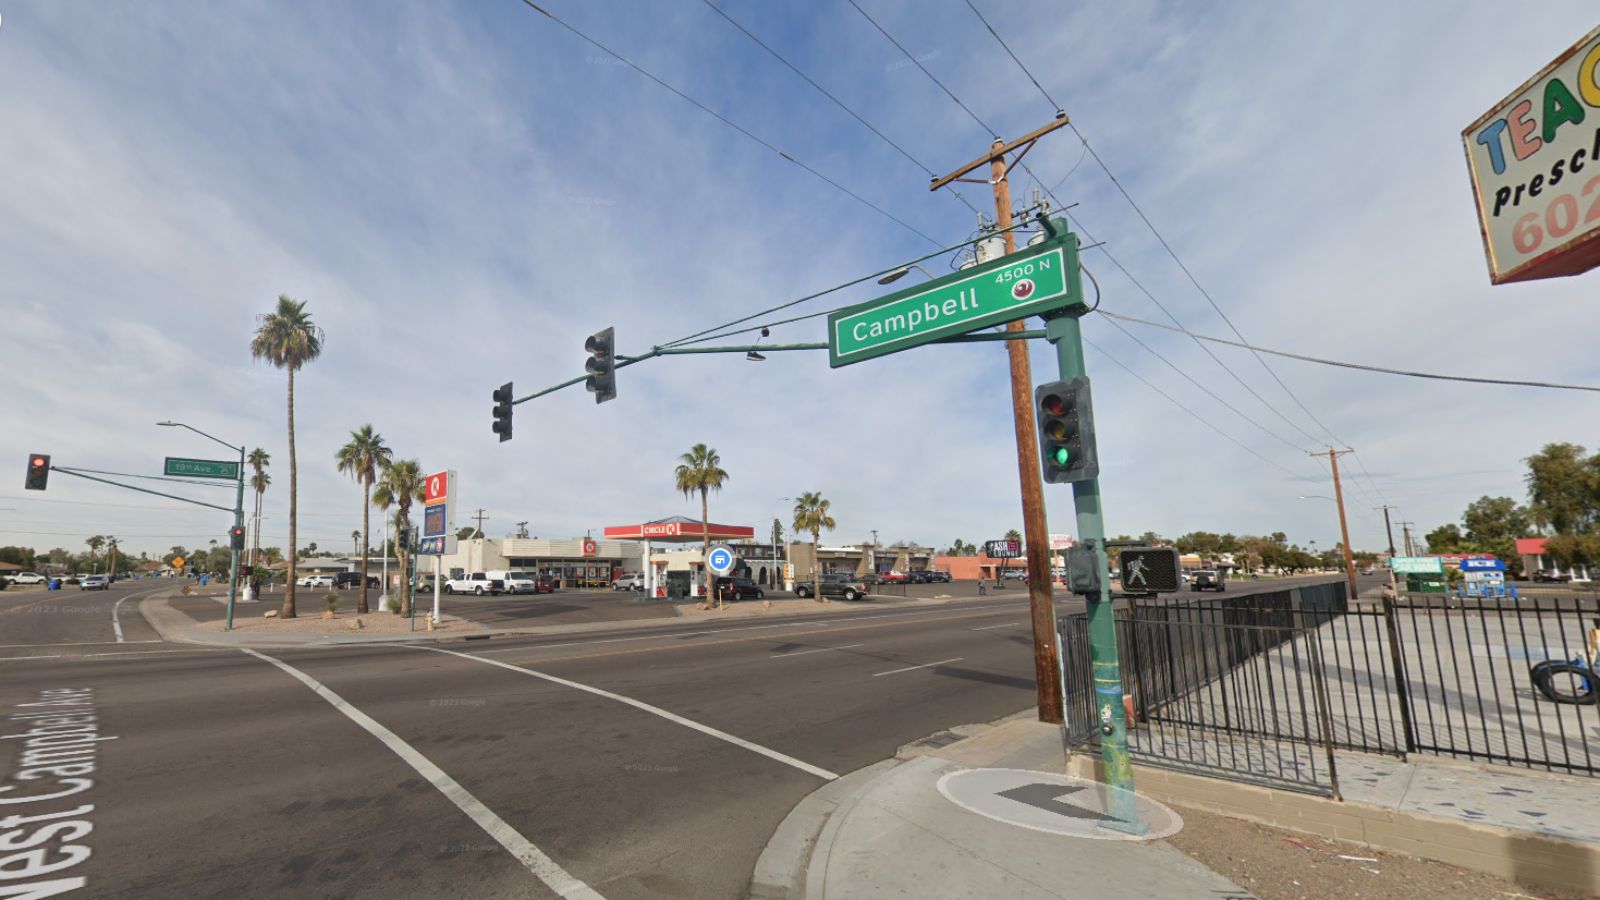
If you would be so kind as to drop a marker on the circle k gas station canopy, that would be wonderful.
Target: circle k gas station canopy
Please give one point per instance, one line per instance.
(678, 530)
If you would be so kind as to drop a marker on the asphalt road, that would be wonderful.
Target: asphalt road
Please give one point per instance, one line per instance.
(647, 762)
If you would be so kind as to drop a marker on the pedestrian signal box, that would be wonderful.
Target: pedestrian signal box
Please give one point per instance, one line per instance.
(1150, 570)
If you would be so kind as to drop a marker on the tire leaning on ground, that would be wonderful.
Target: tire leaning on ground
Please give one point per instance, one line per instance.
(1587, 691)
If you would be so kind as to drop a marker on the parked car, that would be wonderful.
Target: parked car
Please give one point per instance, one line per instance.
(94, 583)
(633, 582)
(523, 582)
(1555, 576)
(28, 578)
(743, 588)
(478, 583)
(936, 577)
(313, 581)
(1207, 580)
(916, 577)
(892, 578)
(848, 587)
(346, 580)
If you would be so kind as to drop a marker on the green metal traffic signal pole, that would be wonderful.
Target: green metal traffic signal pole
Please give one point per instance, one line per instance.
(1066, 334)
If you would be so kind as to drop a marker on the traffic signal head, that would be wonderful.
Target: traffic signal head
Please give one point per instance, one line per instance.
(1066, 431)
(601, 365)
(236, 537)
(502, 411)
(38, 471)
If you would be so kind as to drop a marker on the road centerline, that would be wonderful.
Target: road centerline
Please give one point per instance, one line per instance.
(923, 666)
(542, 866)
(818, 650)
(737, 741)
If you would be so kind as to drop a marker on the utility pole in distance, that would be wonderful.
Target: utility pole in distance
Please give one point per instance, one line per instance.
(1344, 528)
(1388, 529)
(1046, 659)
(1405, 533)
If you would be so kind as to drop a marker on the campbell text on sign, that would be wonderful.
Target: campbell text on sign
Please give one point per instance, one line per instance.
(1033, 280)
(201, 468)
(1535, 166)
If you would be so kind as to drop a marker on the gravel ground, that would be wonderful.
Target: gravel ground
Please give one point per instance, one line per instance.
(1277, 864)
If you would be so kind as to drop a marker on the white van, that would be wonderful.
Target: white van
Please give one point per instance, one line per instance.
(633, 582)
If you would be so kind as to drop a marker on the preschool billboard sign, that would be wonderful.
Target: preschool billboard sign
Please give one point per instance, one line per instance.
(1535, 165)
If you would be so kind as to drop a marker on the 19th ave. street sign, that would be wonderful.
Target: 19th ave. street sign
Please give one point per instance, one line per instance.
(1033, 280)
(202, 468)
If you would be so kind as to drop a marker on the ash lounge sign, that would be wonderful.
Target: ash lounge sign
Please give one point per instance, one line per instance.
(1535, 166)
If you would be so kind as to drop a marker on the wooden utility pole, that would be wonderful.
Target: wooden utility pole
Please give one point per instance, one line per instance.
(1405, 534)
(1046, 661)
(1344, 527)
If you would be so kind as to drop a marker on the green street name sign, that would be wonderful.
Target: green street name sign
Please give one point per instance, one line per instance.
(202, 468)
(1033, 280)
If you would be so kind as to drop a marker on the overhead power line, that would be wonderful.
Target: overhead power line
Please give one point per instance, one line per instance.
(1088, 149)
(1199, 418)
(836, 101)
(918, 63)
(731, 124)
(1383, 370)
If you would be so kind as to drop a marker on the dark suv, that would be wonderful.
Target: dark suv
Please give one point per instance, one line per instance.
(1206, 580)
(937, 577)
(343, 580)
(742, 588)
(846, 586)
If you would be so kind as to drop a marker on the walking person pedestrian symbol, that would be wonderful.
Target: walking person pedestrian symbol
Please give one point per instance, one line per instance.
(1136, 572)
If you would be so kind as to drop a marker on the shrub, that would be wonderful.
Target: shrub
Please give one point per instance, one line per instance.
(333, 602)
(394, 604)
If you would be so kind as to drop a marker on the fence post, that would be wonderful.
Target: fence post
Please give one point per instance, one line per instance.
(1319, 689)
(1401, 687)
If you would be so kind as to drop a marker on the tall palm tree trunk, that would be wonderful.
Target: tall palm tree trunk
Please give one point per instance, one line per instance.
(705, 550)
(255, 532)
(816, 566)
(366, 526)
(294, 489)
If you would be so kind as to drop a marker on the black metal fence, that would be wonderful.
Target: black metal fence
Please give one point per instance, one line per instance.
(1266, 686)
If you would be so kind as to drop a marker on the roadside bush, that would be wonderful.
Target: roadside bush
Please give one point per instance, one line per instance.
(394, 604)
(4, 583)
(333, 602)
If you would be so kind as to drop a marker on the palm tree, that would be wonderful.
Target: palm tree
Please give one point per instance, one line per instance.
(401, 483)
(259, 479)
(811, 514)
(361, 459)
(287, 338)
(700, 470)
(111, 555)
(95, 543)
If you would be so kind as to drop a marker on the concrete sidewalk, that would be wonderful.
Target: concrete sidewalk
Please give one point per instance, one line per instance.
(899, 829)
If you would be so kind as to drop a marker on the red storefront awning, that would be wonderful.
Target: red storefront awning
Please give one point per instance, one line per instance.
(678, 529)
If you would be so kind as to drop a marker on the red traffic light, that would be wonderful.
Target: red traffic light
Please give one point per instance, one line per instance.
(38, 477)
(40, 462)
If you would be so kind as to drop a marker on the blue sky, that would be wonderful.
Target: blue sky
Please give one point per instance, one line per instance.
(463, 192)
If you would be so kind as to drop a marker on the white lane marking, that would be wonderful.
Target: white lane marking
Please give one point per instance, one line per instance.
(669, 635)
(116, 624)
(546, 869)
(818, 650)
(768, 752)
(124, 653)
(923, 666)
(83, 643)
(1001, 625)
(603, 641)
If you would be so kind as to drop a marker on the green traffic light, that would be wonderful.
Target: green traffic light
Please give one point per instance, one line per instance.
(1062, 456)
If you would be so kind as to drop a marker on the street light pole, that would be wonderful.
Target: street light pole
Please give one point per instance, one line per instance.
(238, 517)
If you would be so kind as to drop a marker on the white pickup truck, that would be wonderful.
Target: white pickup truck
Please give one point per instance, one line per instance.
(478, 583)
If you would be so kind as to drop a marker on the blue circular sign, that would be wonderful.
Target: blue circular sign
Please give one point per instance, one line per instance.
(720, 560)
